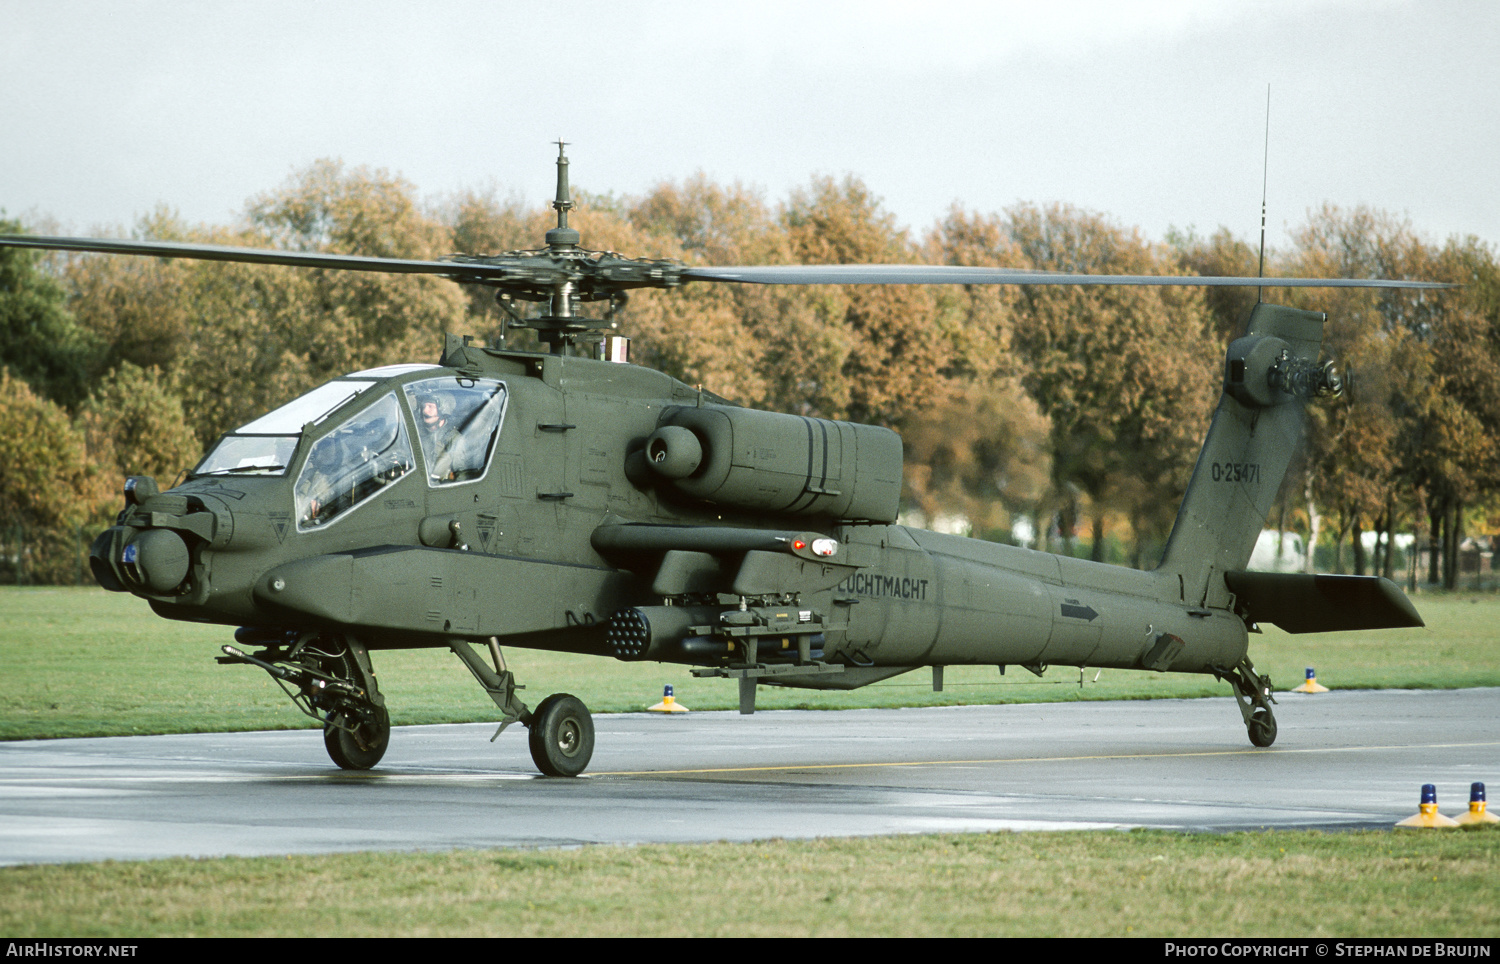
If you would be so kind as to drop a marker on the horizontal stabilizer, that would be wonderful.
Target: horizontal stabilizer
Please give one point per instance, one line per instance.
(1303, 603)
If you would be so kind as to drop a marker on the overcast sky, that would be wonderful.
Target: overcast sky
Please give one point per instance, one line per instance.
(1152, 112)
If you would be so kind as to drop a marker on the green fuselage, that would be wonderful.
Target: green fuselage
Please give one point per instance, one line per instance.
(511, 554)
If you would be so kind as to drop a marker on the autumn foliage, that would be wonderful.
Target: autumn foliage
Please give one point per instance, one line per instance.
(1071, 414)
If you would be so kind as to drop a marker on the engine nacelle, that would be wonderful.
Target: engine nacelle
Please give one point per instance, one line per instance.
(788, 464)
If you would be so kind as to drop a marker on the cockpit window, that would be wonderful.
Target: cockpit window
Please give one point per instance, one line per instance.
(249, 455)
(265, 446)
(353, 463)
(458, 420)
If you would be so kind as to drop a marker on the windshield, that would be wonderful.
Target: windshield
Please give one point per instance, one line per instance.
(249, 455)
(265, 446)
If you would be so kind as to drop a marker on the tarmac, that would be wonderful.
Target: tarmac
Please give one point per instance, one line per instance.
(1343, 760)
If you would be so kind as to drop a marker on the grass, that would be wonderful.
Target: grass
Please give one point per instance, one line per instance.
(1145, 883)
(64, 675)
(83, 662)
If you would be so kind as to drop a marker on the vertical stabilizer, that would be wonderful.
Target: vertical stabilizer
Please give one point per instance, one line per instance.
(1268, 375)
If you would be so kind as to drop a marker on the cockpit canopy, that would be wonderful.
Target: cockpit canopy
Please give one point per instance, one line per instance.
(456, 420)
(266, 445)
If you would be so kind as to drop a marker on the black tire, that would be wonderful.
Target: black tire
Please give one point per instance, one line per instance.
(1262, 727)
(362, 748)
(562, 736)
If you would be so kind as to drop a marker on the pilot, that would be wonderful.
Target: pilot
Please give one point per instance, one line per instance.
(317, 489)
(441, 441)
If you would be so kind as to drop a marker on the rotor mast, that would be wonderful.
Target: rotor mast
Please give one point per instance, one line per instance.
(562, 245)
(564, 275)
(562, 240)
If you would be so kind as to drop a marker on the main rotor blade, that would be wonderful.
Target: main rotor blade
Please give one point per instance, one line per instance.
(220, 252)
(800, 274)
(921, 274)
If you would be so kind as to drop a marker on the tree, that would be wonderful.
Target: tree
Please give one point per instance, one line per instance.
(1417, 433)
(237, 339)
(40, 343)
(695, 333)
(138, 310)
(982, 453)
(896, 360)
(769, 337)
(367, 318)
(49, 486)
(1460, 463)
(134, 425)
(986, 449)
(1127, 375)
(1223, 255)
(482, 224)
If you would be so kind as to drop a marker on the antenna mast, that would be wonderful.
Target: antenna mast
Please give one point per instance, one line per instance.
(1265, 166)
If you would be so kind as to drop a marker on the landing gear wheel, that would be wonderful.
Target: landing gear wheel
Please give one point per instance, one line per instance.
(1254, 695)
(1262, 726)
(362, 748)
(562, 736)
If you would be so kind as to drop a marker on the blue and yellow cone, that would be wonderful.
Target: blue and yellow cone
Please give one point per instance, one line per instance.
(1311, 685)
(1477, 813)
(668, 703)
(1427, 815)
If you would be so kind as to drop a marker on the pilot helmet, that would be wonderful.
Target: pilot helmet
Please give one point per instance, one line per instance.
(440, 399)
(327, 454)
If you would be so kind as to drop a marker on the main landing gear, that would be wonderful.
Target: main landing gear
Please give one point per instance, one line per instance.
(561, 736)
(1253, 694)
(330, 678)
(358, 744)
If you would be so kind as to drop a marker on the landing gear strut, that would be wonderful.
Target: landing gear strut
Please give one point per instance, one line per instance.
(561, 734)
(335, 686)
(1253, 694)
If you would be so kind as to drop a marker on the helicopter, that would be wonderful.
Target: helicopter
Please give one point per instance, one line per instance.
(568, 500)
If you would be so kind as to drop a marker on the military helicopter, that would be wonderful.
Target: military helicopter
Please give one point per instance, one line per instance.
(558, 501)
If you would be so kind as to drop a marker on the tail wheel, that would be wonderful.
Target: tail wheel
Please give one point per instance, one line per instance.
(1262, 726)
(361, 745)
(562, 736)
